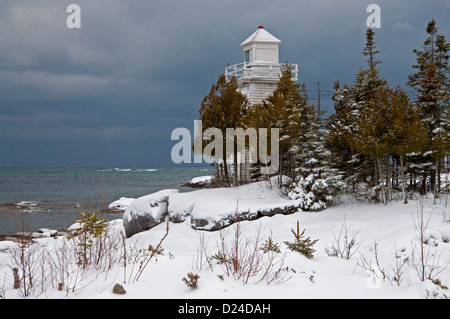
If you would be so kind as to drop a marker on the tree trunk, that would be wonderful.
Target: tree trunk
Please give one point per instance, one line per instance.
(402, 170)
(225, 170)
(388, 179)
(235, 160)
(383, 191)
(436, 180)
(446, 179)
(281, 169)
(375, 171)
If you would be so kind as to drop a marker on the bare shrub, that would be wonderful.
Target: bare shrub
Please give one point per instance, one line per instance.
(144, 262)
(425, 260)
(400, 268)
(242, 257)
(373, 266)
(23, 257)
(345, 244)
(24, 260)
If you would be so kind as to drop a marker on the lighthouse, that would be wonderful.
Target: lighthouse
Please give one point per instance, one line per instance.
(260, 72)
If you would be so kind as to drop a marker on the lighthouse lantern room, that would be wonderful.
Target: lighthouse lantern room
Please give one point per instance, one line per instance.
(260, 72)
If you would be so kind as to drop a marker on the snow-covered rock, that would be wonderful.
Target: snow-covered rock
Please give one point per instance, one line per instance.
(121, 204)
(213, 209)
(208, 209)
(200, 182)
(146, 212)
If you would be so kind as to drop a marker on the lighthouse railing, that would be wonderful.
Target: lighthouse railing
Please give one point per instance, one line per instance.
(246, 70)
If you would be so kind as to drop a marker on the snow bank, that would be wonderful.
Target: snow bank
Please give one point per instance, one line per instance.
(391, 227)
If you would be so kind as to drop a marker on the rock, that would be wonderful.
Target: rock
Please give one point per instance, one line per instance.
(200, 182)
(45, 232)
(118, 289)
(121, 204)
(209, 209)
(146, 212)
(215, 208)
(213, 224)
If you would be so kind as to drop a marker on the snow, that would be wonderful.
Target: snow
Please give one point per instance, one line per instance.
(121, 204)
(261, 35)
(148, 205)
(217, 204)
(202, 179)
(391, 227)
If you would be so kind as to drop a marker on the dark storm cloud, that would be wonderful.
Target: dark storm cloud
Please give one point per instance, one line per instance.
(110, 93)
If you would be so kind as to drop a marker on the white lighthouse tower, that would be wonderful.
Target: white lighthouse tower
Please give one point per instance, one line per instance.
(260, 72)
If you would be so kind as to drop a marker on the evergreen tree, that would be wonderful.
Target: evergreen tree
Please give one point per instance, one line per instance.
(283, 109)
(339, 126)
(431, 80)
(351, 102)
(368, 80)
(405, 132)
(370, 139)
(224, 107)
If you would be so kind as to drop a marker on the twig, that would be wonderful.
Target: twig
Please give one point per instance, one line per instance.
(145, 262)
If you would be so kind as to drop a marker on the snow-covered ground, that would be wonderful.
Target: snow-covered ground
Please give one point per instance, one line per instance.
(369, 273)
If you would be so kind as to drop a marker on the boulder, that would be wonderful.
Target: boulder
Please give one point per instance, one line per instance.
(200, 182)
(118, 289)
(209, 209)
(146, 212)
(121, 204)
(215, 208)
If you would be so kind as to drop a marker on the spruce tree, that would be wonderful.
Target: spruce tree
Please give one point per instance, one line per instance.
(283, 109)
(224, 107)
(431, 80)
(339, 126)
(316, 183)
(351, 102)
(405, 132)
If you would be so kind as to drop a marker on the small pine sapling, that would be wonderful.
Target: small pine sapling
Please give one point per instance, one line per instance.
(89, 228)
(270, 245)
(301, 245)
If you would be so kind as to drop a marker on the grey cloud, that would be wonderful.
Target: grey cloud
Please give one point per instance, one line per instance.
(138, 69)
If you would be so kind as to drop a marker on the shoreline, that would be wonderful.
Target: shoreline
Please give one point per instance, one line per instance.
(31, 209)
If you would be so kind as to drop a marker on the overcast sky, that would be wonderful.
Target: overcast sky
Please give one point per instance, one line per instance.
(110, 94)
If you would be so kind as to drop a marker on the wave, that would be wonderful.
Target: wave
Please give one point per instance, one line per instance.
(25, 206)
(27, 203)
(117, 169)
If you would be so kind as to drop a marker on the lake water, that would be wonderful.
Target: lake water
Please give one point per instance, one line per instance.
(53, 197)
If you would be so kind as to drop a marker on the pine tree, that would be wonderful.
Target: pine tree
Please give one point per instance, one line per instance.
(316, 183)
(351, 102)
(339, 126)
(405, 133)
(370, 139)
(368, 80)
(283, 110)
(431, 80)
(224, 107)
(301, 244)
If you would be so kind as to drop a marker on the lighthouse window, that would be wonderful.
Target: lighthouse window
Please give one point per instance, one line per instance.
(247, 55)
